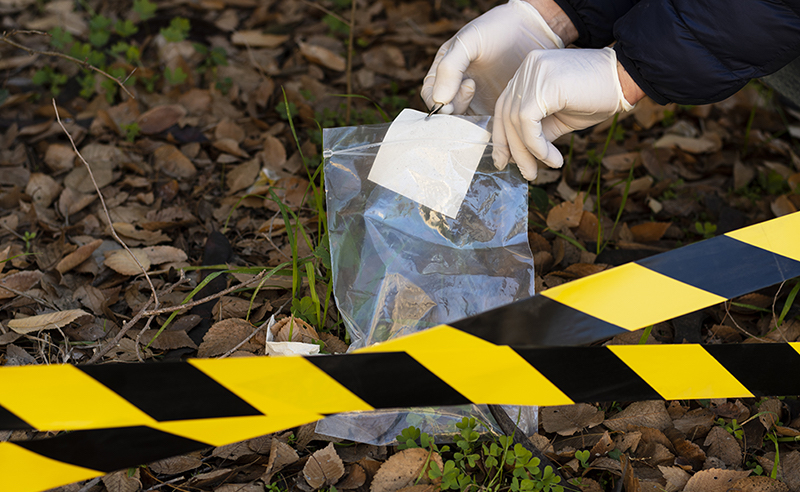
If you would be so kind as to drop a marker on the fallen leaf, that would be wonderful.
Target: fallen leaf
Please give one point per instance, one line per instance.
(72, 201)
(159, 118)
(782, 206)
(167, 340)
(714, 480)
(675, 476)
(173, 163)
(403, 469)
(566, 420)
(322, 56)
(78, 256)
(164, 254)
(121, 261)
(649, 231)
(769, 412)
(59, 158)
(242, 176)
(257, 39)
(299, 330)
(759, 484)
(46, 321)
(622, 162)
(121, 481)
(693, 145)
(565, 215)
(20, 281)
(695, 423)
(629, 480)
(224, 336)
(324, 467)
(724, 446)
(280, 456)
(42, 189)
(641, 413)
(229, 146)
(240, 487)
(355, 478)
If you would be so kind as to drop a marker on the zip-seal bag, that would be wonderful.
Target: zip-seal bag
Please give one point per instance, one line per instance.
(423, 230)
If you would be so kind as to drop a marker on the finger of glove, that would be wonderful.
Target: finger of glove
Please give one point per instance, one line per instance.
(464, 96)
(522, 154)
(500, 151)
(554, 127)
(430, 78)
(450, 72)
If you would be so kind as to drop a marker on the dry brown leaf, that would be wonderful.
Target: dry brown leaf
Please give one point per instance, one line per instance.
(322, 56)
(688, 450)
(714, 480)
(164, 254)
(78, 256)
(167, 340)
(641, 413)
(649, 231)
(172, 162)
(240, 487)
(628, 440)
(780, 206)
(333, 344)
(569, 419)
(59, 158)
(225, 335)
(229, 146)
(759, 484)
(603, 446)
(233, 307)
(257, 39)
(355, 478)
(770, 412)
(324, 467)
(565, 215)
(420, 488)
(622, 162)
(695, 423)
(693, 145)
(120, 481)
(232, 451)
(42, 189)
(176, 464)
(281, 455)
(675, 476)
(20, 281)
(724, 446)
(629, 480)
(120, 261)
(46, 321)
(129, 231)
(403, 469)
(242, 176)
(227, 128)
(300, 331)
(159, 118)
(72, 201)
(91, 297)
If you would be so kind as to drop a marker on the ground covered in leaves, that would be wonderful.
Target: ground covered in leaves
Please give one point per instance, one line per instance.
(209, 156)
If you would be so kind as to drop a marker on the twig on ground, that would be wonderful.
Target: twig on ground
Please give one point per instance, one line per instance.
(105, 208)
(41, 301)
(103, 350)
(247, 339)
(85, 64)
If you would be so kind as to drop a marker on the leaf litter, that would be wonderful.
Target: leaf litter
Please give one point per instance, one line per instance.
(188, 157)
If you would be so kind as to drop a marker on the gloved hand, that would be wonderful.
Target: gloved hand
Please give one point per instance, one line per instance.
(483, 56)
(554, 92)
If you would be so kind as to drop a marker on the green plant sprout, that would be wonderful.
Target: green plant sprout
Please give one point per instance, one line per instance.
(583, 457)
(705, 229)
(733, 428)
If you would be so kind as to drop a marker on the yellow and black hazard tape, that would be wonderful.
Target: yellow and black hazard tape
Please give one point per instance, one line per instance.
(124, 415)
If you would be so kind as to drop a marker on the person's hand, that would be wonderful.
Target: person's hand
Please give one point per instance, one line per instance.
(472, 68)
(554, 92)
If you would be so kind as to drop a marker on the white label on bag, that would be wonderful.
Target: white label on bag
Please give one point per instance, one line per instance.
(430, 161)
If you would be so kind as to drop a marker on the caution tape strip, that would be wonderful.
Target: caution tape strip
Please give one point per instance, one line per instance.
(123, 415)
(217, 402)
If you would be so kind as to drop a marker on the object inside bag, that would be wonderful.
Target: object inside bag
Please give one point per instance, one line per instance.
(423, 231)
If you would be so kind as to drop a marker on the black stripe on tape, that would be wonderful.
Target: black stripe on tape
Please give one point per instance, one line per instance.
(724, 266)
(538, 320)
(9, 421)
(589, 374)
(107, 450)
(389, 380)
(768, 369)
(171, 391)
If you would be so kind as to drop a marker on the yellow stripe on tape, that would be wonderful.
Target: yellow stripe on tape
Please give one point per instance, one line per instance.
(286, 384)
(488, 373)
(32, 472)
(781, 235)
(632, 296)
(62, 397)
(680, 372)
(220, 432)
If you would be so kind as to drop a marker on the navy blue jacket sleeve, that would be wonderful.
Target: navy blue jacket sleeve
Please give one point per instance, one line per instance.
(691, 51)
(594, 19)
(702, 51)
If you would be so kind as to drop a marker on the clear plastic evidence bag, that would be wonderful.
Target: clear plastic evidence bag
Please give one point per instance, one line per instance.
(423, 230)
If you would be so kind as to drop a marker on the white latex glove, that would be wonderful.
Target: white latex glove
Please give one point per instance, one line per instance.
(474, 66)
(554, 92)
